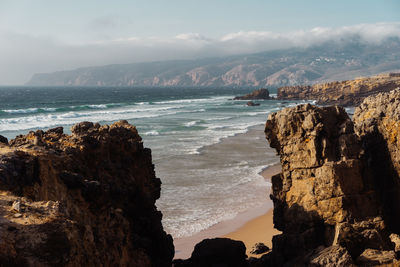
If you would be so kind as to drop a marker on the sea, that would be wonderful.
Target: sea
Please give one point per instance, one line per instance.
(207, 149)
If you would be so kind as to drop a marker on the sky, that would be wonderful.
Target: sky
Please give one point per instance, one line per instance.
(39, 36)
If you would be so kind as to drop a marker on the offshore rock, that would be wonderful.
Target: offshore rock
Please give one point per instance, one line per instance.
(344, 93)
(83, 199)
(257, 94)
(252, 104)
(326, 200)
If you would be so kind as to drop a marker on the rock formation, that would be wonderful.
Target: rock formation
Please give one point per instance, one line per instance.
(344, 93)
(86, 199)
(222, 252)
(257, 94)
(336, 200)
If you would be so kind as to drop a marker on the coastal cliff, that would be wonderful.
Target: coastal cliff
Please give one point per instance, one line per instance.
(336, 200)
(81, 199)
(343, 93)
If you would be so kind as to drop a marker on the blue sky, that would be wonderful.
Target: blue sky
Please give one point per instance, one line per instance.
(78, 21)
(50, 35)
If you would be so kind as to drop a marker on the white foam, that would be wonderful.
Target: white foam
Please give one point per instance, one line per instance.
(191, 123)
(151, 133)
(19, 111)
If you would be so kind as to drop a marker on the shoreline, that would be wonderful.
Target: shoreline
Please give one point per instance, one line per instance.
(246, 226)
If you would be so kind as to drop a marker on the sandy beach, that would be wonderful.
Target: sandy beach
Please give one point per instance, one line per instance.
(260, 229)
(251, 227)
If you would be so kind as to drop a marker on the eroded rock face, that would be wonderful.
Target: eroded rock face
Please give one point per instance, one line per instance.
(343, 93)
(85, 199)
(326, 196)
(377, 121)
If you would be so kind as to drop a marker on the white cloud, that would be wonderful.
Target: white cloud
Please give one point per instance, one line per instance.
(23, 55)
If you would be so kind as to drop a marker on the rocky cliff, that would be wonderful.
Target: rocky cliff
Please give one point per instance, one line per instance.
(86, 199)
(344, 93)
(337, 198)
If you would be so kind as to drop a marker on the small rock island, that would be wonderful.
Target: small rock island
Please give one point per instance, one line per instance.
(260, 94)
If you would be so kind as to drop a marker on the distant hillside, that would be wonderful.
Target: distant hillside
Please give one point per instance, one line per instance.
(339, 60)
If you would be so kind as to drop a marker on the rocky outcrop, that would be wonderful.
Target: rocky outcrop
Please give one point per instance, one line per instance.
(344, 93)
(257, 94)
(86, 199)
(333, 200)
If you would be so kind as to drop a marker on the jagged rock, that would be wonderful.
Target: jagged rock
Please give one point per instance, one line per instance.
(223, 252)
(373, 257)
(257, 94)
(259, 248)
(325, 195)
(344, 93)
(88, 199)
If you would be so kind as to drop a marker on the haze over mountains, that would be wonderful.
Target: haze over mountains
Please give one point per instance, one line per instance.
(332, 60)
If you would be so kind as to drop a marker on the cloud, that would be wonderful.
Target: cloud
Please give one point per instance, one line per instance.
(104, 23)
(23, 55)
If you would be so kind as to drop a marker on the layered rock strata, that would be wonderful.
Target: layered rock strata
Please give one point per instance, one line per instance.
(86, 199)
(333, 200)
(344, 93)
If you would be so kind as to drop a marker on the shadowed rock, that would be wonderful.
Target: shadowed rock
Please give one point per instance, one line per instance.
(222, 252)
(86, 199)
(327, 202)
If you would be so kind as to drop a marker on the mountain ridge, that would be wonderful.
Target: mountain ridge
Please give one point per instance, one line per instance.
(342, 59)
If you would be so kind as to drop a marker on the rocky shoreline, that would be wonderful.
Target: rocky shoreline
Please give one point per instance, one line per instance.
(343, 93)
(89, 198)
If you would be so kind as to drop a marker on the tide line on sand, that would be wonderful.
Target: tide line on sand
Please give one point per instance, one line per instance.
(251, 227)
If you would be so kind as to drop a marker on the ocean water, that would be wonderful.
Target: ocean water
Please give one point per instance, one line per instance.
(208, 166)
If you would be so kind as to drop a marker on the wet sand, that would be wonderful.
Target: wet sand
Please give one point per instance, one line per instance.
(251, 227)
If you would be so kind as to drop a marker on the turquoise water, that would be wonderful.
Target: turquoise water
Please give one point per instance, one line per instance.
(206, 178)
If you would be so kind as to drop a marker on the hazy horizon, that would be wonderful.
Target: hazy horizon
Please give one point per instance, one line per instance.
(43, 36)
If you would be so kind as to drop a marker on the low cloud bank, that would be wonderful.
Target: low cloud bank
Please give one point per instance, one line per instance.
(23, 55)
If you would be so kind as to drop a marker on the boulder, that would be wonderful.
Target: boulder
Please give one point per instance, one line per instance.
(259, 248)
(222, 252)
